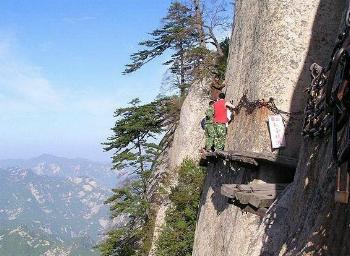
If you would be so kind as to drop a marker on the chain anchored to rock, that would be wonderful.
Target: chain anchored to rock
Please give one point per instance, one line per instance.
(317, 121)
(250, 106)
(328, 108)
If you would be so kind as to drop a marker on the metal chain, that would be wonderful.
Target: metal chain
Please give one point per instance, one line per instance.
(250, 106)
(317, 121)
(328, 104)
(318, 116)
(318, 113)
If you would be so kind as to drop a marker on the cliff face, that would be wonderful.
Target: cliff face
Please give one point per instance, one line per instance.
(272, 47)
(187, 142)
(189, 137)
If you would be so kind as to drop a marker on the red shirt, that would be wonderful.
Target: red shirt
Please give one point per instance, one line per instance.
(220, 112)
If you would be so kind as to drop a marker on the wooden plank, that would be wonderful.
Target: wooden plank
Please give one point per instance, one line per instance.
(261, 186)
(243, 197)
(277, 159)
(237, 158)
(229, 190)
(256, 195)
(261, 200)
(261, 212)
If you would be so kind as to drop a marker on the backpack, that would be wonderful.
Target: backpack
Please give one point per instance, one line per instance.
(203, 121)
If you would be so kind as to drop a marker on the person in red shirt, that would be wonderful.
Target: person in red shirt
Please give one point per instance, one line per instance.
(220, 121)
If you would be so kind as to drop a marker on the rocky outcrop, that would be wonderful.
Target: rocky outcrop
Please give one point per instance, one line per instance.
(187, 142)
(273, 44)
(189, 137)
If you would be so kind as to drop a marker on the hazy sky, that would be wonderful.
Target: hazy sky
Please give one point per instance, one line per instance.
(60, 72)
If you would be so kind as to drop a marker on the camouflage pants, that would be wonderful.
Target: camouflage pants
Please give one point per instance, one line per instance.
(209, 136)
(220, 136)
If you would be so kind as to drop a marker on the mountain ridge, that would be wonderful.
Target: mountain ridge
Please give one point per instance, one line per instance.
(56, 166)
(65, 213)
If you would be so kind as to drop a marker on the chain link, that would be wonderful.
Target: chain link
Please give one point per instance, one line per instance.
(317, 121)
(318, 113)
(250, 106)
(328, 107)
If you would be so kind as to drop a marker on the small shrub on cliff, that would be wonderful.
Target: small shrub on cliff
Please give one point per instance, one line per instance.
(178, 234)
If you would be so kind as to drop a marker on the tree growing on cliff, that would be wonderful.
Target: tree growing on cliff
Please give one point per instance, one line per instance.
(221, 63)
(176, 34)
(137, 127)
(186, 31)
(134, 130)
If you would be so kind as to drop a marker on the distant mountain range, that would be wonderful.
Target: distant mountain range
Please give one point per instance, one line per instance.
(54, 206)
(52, 215)
(54, 166)
(21, 241)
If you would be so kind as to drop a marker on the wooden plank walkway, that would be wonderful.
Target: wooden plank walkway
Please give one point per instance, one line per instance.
(232, 157)
(254, 196)
(253, 158)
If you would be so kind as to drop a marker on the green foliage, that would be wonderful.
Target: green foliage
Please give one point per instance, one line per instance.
(187, 32)
(177, 34)
(134, 126)
(134, 130)
(221, 64)
(138, 126)
(177, 235)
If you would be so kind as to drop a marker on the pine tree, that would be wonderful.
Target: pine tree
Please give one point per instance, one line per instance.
(137, 127)
(177, 34)
(221, 62)
(134, 130)
(185, 33)
(199, 22)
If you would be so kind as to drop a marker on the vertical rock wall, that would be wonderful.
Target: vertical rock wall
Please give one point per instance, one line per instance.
(273, 44)
(189, 136)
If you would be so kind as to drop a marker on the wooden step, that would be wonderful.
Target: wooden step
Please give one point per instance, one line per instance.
(257, 199)
(229, 190)
(256, 195)
(257, 211)
(262, 201)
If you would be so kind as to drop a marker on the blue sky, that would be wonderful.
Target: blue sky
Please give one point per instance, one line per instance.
(60, 72)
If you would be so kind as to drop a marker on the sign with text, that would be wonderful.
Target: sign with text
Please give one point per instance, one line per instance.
(277, 129)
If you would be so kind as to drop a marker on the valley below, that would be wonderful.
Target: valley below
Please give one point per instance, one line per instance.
(54, 206)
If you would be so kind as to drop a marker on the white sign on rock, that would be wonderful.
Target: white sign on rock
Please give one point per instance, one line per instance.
(277, 129)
